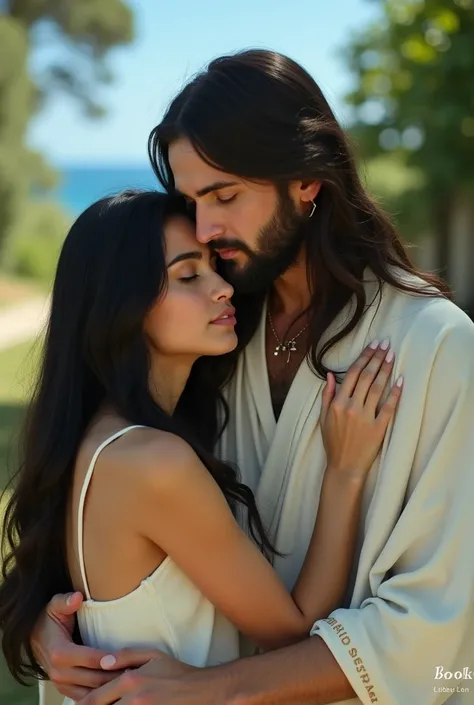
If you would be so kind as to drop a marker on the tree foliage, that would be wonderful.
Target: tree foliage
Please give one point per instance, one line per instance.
(78, 35)
(414, 101)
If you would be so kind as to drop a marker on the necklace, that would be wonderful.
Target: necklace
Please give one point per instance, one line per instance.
(289, 346)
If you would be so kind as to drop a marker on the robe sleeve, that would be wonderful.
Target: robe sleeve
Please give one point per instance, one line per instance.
(419, 618)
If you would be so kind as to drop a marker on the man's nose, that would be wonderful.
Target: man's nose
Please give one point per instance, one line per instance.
(207, 228)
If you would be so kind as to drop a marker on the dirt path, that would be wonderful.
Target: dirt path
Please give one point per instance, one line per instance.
(23, 321)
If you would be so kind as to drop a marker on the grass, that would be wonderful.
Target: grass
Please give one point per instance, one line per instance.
(16, 368)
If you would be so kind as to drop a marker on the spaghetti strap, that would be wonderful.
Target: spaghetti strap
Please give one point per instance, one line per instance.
(82, 499)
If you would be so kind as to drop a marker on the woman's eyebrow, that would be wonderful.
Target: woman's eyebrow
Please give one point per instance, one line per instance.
(184, 256)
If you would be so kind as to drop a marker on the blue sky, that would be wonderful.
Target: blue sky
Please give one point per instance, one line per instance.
(174, 39)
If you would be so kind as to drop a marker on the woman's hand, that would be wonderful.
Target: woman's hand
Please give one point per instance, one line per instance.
(353, 420)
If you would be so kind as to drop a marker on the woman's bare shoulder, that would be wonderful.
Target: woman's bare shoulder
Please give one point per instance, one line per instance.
(150, 459)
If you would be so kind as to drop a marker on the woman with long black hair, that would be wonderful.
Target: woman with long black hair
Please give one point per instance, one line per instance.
(119, 495)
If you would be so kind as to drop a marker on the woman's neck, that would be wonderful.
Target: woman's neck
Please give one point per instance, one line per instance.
(167, 379)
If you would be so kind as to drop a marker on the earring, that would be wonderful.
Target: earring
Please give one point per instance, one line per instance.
(313, 208)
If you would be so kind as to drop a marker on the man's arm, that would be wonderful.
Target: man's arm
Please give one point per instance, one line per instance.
(302, 674)
(418, 615)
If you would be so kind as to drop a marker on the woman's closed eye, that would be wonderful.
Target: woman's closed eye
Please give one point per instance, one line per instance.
(227, 199)
(190, 278)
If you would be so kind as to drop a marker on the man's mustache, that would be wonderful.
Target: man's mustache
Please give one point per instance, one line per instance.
(224, 244)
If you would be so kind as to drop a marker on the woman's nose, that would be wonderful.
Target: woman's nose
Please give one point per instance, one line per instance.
(223, 290)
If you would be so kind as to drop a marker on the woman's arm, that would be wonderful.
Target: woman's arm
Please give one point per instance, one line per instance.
(183, 511)
(353, 428)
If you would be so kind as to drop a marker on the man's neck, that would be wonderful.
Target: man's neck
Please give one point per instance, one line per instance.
(291, 294)
(289, 299)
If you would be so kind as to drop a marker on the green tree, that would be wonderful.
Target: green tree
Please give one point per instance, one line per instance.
(83, 32)
(414, 101)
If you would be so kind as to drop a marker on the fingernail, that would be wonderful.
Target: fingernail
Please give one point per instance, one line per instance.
(108, 661)
(69, 598)
(374, 344)
(384, 345)
(399, 382)
(389, 356)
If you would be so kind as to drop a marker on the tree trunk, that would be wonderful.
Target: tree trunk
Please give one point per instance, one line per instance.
(442, 230)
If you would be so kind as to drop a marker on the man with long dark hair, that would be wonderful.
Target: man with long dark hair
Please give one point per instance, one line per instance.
(253, 146)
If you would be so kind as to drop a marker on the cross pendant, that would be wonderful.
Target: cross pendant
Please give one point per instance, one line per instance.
(291, 348)
(280, 348)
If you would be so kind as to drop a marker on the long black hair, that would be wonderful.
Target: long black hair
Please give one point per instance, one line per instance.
(259, 115)
(111, 270)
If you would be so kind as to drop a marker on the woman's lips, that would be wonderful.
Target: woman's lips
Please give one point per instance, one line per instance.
(229, 321)
(227, 317)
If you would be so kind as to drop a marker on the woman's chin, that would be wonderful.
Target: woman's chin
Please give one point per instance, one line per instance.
(223, 347)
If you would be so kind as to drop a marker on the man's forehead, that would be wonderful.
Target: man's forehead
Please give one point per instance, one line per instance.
(190, 171)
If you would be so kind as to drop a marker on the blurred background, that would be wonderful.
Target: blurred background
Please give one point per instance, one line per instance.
(82, 82)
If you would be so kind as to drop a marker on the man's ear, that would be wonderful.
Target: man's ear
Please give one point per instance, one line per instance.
(304, 192)
(309, 190)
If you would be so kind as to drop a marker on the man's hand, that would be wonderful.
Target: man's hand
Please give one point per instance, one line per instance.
(305, 672)
(73, 669)
(162, 681)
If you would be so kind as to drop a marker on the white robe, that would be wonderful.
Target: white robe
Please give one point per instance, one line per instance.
(409, 609)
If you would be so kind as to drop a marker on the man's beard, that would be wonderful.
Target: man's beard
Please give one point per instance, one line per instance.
(278, 245)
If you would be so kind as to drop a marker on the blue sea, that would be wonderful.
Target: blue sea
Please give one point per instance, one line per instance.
(80, 186)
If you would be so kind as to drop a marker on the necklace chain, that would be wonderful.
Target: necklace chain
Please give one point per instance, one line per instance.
(282, 346)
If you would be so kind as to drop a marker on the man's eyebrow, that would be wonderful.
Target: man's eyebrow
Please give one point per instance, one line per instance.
(209, 189)
(184, 256)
